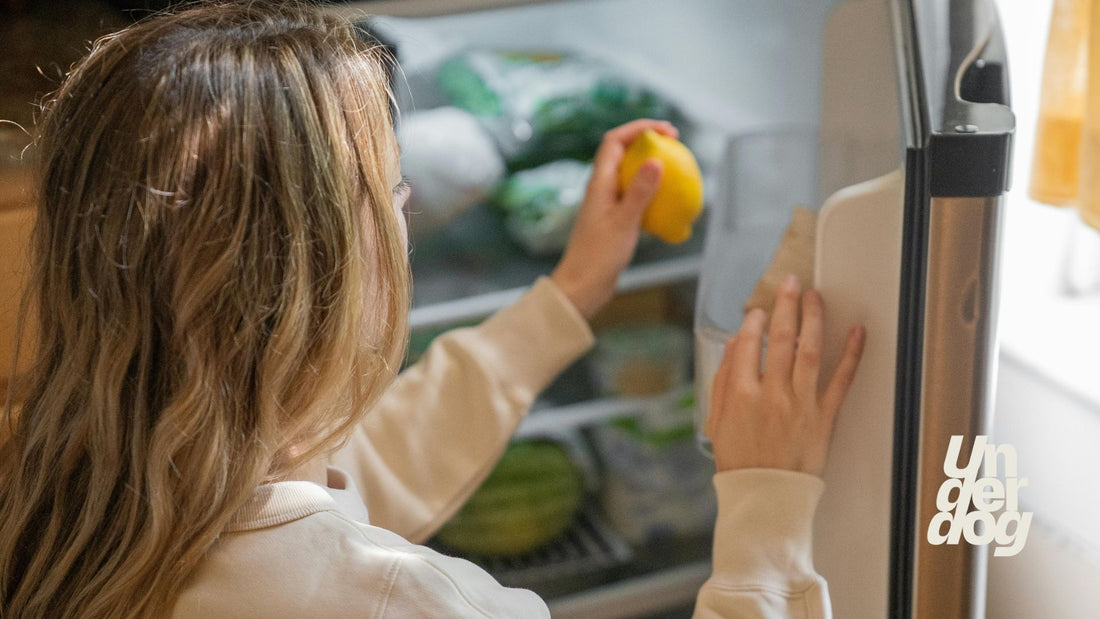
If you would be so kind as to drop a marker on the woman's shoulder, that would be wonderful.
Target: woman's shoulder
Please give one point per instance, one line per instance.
(318, 565)
(326, 563)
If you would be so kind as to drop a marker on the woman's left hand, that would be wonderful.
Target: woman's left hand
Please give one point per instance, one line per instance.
(778, 417)
(606, 231)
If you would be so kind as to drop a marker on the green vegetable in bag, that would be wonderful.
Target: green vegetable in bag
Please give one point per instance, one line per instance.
(543, 106)
(541, 204)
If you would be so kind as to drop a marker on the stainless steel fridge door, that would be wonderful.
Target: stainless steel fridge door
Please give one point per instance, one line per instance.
(915, 138)
(960, 141)
(958, 362)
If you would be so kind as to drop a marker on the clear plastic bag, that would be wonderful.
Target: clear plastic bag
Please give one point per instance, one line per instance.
(546, 105)
(540, 204)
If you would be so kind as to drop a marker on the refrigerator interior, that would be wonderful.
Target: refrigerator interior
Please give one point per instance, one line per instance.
(735, 69)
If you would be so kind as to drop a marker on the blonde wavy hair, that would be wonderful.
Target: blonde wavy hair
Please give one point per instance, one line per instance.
(222, 286)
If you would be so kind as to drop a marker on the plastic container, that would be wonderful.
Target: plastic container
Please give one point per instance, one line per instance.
(657, 485)
(763, 176)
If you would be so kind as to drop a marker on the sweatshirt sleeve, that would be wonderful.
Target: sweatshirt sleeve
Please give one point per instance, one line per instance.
(438, 431)
(763, 566)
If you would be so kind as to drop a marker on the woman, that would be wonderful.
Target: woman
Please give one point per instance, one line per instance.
(222, 285)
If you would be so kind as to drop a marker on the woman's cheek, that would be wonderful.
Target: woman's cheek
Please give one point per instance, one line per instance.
(402, 220)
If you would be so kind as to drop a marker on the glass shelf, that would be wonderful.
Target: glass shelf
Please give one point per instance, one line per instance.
(670, 574)
(549, 420)
(668, 592)
(472, 269)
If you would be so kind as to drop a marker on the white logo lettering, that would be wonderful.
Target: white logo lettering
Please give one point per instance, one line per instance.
(963, 489)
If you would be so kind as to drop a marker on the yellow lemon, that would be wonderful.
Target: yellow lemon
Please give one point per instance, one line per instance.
(679, 198)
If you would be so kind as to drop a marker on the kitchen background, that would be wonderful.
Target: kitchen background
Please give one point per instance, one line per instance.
(620, 474)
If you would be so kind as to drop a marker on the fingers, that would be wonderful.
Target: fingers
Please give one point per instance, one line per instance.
(807, 363)
(783, 334)
(745, 355)
(845, 373)
(605, 168)
(642, 188)
(625, 134)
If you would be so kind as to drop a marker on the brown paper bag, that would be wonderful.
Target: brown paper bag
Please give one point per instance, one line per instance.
(795, 255)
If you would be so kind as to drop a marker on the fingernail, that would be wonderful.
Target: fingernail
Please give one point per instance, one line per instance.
(790, 282)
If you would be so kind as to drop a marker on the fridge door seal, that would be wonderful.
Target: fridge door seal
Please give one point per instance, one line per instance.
(910, 316)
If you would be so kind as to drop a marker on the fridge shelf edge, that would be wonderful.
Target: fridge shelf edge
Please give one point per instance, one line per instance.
(674, 270)
(646, 594)
(544, 421)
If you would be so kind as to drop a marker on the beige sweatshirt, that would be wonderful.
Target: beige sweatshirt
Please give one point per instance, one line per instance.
(351, 549)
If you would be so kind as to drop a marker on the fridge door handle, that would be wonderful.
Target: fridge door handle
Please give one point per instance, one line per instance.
(976, 88)
(965, 86)
(983, 77)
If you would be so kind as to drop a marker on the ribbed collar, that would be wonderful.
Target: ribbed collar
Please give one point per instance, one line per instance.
(286, 501)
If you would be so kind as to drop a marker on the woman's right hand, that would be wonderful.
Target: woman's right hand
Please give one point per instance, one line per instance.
(606, 231)
(779, 418)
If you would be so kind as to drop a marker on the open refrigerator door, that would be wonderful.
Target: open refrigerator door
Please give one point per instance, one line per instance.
(849, 173)
(914, 139)
(911, 250)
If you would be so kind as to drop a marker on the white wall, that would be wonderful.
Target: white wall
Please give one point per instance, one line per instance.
(1048, 392)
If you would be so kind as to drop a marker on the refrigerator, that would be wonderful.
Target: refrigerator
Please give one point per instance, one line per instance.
(888, 118)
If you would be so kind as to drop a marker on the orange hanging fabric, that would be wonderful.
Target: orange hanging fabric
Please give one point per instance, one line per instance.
(1089, 196)
(1057, 159)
